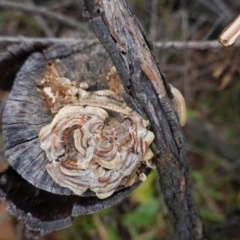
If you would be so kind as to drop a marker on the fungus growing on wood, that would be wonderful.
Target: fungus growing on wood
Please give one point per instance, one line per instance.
(95, 141)
(179, 105)
(41, 91)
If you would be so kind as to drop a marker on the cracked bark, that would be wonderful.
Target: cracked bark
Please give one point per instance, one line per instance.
(148, 92)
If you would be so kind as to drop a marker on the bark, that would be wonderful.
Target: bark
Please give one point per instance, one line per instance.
(148, 92)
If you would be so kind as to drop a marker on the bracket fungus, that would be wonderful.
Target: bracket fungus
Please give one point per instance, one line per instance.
(179, 105)
(94, 141)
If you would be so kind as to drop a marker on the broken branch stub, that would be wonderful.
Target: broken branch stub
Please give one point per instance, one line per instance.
(231, 33)
(123, 37)
(27, 112)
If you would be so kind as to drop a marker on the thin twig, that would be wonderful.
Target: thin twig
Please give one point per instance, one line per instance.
(178, 45)
(41, 21)
(223, 8)
(44, 12)
(199, 45)
(213, 27)
(210, 5)
(198, 23)
(16, 40)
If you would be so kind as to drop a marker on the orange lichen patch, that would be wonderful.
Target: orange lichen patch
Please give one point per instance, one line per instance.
(178, 101)
(148, 72)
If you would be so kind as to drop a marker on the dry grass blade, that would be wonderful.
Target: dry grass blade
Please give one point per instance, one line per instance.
(222, 65)
(41, 21)
(43, 12)
(226, 79)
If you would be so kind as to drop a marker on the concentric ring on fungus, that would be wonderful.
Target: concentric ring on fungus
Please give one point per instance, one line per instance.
(94, 141)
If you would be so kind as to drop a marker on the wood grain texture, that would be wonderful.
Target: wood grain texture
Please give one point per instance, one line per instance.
(25, 114)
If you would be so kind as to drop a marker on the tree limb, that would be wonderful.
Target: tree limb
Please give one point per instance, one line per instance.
(124, 39)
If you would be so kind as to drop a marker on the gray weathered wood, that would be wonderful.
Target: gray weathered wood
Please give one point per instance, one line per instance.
(26, 111)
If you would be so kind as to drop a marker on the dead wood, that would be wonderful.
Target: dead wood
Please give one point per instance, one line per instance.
(121, 34)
